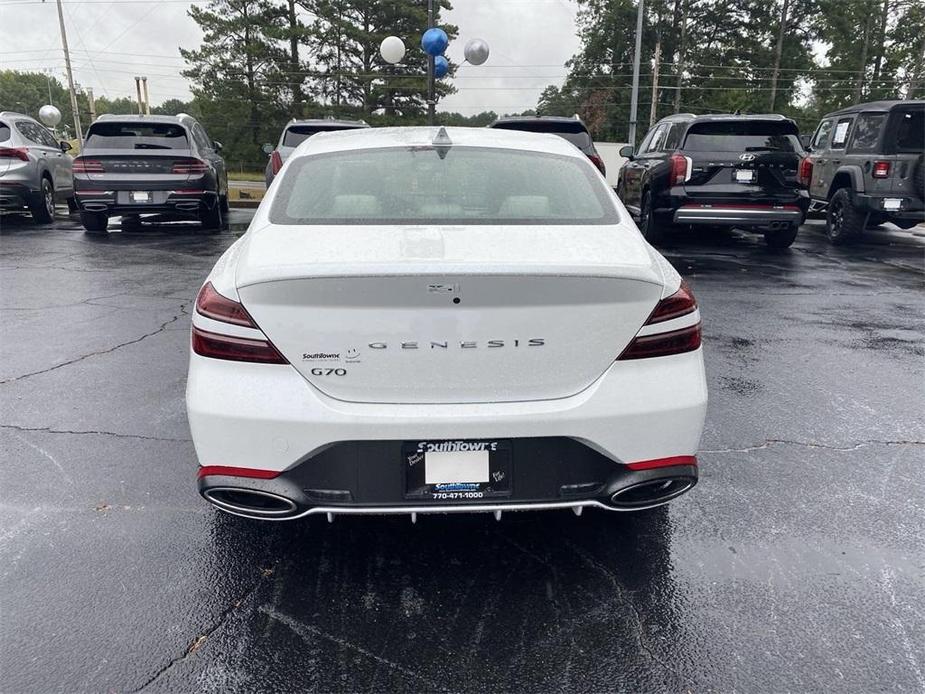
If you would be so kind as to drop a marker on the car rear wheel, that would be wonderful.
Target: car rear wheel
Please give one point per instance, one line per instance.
(210, 214)
(781, 238)
(43, 206)
(94, 222)
(844, 222)
(223, 201)
(652, 228)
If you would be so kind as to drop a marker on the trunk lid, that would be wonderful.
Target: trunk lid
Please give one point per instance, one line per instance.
(449, 315)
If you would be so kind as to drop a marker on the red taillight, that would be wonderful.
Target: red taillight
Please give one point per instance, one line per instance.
(881, 169)
(686, 339)
(235, 348)
(213, 305)
(276, 162)
(14, 153)
(599, 163)
(806, 171)
(87, 166)
(679, 169)
(190, 166)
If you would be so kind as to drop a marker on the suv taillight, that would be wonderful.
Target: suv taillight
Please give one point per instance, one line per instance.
(806, 171)
(190, 166)
(82, 165)
(276, 162)
(14, 153)
(661, 342)
(208, 343)
(599, 163)
(680, 168)
(881, 169)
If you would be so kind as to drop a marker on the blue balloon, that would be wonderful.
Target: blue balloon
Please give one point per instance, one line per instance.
(434, 41)
(441, 66)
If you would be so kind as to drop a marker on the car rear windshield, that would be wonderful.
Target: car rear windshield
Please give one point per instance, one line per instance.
(295, 135)
(449, 185)
(742, 136)
(4, 132)
(136, 136)
(573, 132)
(910, 131)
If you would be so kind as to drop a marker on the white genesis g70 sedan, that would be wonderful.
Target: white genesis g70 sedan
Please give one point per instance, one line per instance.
(433, 320)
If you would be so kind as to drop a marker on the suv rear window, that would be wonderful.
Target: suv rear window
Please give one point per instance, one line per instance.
(576, 133)
(867, 132)
(910, 131)
(742, 136)
(428, 185)
(137, 136)
(297, 134)
(4, 132)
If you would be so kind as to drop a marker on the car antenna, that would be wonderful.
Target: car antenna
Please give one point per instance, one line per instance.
(442, 142)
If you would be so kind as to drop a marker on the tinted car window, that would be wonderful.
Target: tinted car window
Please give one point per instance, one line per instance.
(295, 135)
(29, 131)
(742, 136)
(4, 132)
(910, 131)
(47, 138)
(201, 138)
(467, 185)
(822, 135)
(867, 131)
(136, 136)
(573, 132)
(673, 140)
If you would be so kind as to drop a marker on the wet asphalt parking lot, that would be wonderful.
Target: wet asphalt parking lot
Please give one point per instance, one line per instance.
(797, 563)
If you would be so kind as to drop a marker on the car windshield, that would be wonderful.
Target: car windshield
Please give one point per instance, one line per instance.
(574, 133)
(433, 185)
(742, 136)
(295, 135)
(910, 131)
(136, 136)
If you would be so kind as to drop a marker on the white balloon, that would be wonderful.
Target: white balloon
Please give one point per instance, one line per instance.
(392, 49)
(476, 51)
(49, 115)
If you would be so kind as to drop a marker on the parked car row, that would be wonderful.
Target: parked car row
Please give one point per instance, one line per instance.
(864, 166)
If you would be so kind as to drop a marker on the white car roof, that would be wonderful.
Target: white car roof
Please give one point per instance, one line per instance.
(375, 138)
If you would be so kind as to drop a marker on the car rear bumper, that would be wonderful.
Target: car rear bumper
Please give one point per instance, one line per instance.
(111, 202)
(738, 215)
(15, 195)
(269, 419)
(910, 208)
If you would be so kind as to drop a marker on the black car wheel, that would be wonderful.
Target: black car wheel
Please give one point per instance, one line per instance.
(844, 222)
(223, 201)
(210, 214)
(94, 222)
(43, 206)
(781, 238)
(653, 229)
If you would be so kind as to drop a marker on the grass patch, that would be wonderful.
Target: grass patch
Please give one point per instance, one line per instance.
(246, 176)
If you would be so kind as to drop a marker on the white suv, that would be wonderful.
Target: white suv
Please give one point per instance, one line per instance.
(432, 320)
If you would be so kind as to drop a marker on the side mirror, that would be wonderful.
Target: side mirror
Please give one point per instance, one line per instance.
(65, 146)
(216, 145)
(626, 151)
(267, 149)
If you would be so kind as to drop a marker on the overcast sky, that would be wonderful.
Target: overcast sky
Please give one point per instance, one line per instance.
(111, 41)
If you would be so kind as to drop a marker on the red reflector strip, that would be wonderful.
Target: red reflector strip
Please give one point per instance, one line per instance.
(207, 470)
(234, 348)
(664, 344)
(663, 462)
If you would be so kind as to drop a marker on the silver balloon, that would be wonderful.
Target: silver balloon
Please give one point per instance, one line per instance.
(50, 115)
(392, 49)
(476, 52)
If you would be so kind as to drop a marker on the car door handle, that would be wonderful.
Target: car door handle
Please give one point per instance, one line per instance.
(821, 161)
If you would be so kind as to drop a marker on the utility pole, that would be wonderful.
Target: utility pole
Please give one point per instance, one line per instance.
(92, 104)
(431, 80)
(70, 76)
(634, 98)
(782, 29)
(141, 105)
(653, 111)
(144, 89)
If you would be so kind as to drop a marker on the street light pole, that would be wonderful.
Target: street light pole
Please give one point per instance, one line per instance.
(70, 77)
(634, 99)
(431, 81)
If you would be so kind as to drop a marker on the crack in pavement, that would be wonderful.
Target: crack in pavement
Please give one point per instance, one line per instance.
(49, 430)
(100, 352)
(810, 444)
(204, 635)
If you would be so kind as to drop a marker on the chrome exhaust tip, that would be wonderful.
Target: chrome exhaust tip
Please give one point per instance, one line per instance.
(251, 503)
(654, 492)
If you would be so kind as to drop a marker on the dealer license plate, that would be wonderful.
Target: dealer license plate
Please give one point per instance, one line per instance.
(744, 176)
(140, 196)
(457, 470)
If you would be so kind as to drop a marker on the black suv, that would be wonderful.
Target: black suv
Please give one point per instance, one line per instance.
(867, 166)
(571, 129)
(728, 170)
(136, 165)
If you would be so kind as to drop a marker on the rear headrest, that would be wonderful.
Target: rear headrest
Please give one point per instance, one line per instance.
(356, 206)
(520, 206)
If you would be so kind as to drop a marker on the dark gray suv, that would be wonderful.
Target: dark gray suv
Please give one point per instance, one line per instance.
(866, 166)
